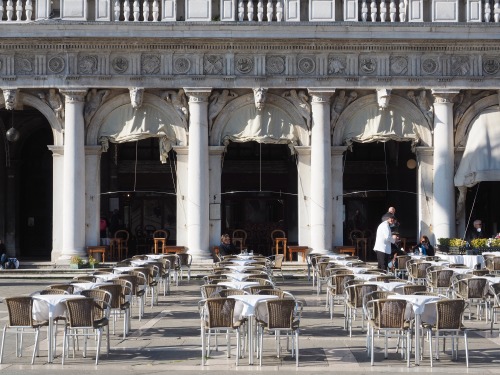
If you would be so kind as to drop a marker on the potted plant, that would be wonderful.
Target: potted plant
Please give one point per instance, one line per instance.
(76, 262)
(93, 261)
(451, 245)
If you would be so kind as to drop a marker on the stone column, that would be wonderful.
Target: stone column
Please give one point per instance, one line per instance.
(338, 194)
(182, 193)
(57, 203)
(304, 194)
(444, 190)
(198, 181)
(215, 197)
(92, 195)
(424, 190)
(321, 182)
(74, 177)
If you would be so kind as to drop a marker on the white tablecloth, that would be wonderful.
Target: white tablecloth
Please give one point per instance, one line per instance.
(83, 286)
(237, 268)
(242, 262)
(43, 304)
(238, 284)
(468, 260)
(365, 276)
(250, 305)
(237, 276)
(387, 286)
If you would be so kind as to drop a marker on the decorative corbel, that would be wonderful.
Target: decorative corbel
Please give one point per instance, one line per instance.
(136, 94)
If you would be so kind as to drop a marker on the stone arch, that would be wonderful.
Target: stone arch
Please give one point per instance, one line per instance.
(46, 111)
(363, 121)
(155, 118)
(277, 122)
(465, 124)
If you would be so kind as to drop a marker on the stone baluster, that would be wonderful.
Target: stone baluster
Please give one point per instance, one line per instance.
(279, 11)
(1, 10)
(487, 11)
(19, 10)
(392, 10)
(402, 10)
(373, 10)
(10, 10)
(496, 11)
(270, 11)
(145, 10)
(137, 10)
(116, 10)
(383, 11)
(250, 10)
(29, 10)
(260, 10)
(126, 10)
(364, 11)
(241, 11)
(156, 11)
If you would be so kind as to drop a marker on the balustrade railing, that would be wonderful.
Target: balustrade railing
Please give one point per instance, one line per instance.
(369, 11)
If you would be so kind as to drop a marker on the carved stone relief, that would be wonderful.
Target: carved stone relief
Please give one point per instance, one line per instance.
(422, 102)
(340, 102)
(93, 101)
(217, 102)
(429, 65)
(150, 64)
(56, 64)
(213, 64)
(136, 94)
(179, 101)
(399, 65)
(300, 100)
(10, 98)
(259, 94)
(244, 64)
(367, 65)
(383, 98)
(491, 65)
(87, 64)
(24, 64)
(119, 64)
(55, 101)
(182, 65)
(337, 65)
(275, 64)
(306, 65)
(463, 101)
(460, 65)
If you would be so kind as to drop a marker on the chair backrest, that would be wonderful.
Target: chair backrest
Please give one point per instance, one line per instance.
(356, 233)
(80, 279)
(278, 261)
(161, 233)
(278, 233)
(117, 297)
(220, 312)
(210, 290)
(240, 233)
(271, 292)
(20, 311)
(410, 289)
(102, 299)
(339, 281)
(65, 287)
(389, 313)
(476, 287)
(80, 312)
(224, 293)
(441, 278)
(173, 259)
(449, 313)
(281, 314)
(257, 289)
(53, 291)
(402, 260)
(185, 259)
(419, 270)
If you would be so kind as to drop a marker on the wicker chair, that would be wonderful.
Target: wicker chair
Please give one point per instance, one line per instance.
(21, 320)
(119, 303)
(473, 291)
(52, 291)
(138, 289)
(66, 287)
(174, 266)
(418, 272)
(440, 280)
(257, 289)
(354, 303)
(83, 321)
(82, 279)
(448, 323)
(388, 317)
(335, 291)
(217, 314)
(283, 315)
(211, 290)
(411, 289)
(224, 293)
(276, 264)
(185, 261)
(102, 308)
(492, 264)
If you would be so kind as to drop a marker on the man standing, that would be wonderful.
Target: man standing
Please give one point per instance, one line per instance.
(383, 241)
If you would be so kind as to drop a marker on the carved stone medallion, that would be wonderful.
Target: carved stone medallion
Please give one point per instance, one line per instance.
(460, 65)
(87, 64)
(150, 64)
(367, 65)
(337, 65)
(56, 64)
(275, 64)
(244, 64)
(213, 64)
(306, 65)
(429, 65)
(491, 65)
(24, 64)
(182, 65)
(119, 64)
(399, 64)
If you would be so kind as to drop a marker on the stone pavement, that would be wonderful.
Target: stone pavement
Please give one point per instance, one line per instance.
(168, 339)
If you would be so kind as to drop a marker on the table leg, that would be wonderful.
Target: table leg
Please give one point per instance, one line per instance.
(250, 340)
(417, 340)
(50, 338)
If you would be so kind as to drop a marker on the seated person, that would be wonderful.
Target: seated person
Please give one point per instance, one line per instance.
(424, 247)
(395, 252)
(226, 246)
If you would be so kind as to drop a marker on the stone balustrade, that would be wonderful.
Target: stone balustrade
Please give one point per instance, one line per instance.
(372, 11)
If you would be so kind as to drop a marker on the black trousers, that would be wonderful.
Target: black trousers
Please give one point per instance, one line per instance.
(382, 260)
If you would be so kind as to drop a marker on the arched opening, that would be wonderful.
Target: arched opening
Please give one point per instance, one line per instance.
(141, 189)
(377, 176)
(483, 202)
(259, 192)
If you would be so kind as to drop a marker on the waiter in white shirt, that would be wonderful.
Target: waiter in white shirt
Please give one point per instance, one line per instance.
(383, 240)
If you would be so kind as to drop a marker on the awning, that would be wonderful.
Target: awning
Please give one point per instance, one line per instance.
(481, 159)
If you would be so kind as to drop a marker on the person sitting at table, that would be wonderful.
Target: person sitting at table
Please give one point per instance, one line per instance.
(396, 251)
(226, 246)
(477, 231)
(424, 247)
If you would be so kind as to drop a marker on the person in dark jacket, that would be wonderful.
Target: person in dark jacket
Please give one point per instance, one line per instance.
(424, 247)
(226, 246)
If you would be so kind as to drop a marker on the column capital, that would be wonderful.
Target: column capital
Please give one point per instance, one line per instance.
(444, 96)
(339, 150)
(93, 150)
(181, 150)
(74, 95)
(321, 95)
(216, 150)
(198, 94)
(56, 150)
(303, 150)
